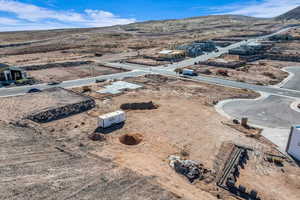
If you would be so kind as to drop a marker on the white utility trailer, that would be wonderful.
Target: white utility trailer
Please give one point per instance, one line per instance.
(188, 72)
(293, 146)
(110, 119)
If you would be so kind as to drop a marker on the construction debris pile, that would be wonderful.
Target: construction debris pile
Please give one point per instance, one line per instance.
(192, 170)
(96, 137)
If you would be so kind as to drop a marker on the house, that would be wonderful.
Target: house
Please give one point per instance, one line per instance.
(252, 48)
(198, 48)
(293, 145)
(11, 74)
(171, 55)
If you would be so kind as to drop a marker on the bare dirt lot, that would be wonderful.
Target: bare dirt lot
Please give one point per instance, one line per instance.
(263, 72)
(33, 166)
(185, 123)
(71, 73)
(119, 42)
(280, 181)
(16, 108)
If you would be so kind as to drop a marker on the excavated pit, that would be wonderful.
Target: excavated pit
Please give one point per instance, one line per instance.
(131, 139)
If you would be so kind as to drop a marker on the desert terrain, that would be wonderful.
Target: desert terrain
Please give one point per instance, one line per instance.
(53, 148)
(184, 124)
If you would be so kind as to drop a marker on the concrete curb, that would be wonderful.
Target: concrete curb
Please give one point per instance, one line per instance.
(267, 132)
(282, 83)
(291, 75)
(219, 106)
(294, 106)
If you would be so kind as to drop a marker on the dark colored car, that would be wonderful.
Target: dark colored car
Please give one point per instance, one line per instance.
(33, 90)
(6, 84)
(54, 83)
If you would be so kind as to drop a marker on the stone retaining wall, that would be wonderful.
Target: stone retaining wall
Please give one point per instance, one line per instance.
(280, 57)
(54, 65)
(232, 65)
(52, 114)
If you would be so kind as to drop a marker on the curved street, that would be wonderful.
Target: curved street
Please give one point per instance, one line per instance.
(273, 113)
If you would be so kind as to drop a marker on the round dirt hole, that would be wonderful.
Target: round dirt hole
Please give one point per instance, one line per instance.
(131, 139)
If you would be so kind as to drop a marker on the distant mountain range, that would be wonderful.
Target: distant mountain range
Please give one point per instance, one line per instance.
(291, 15)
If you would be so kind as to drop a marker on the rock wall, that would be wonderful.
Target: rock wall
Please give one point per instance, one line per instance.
(62, 112)
(252, 58)
(280, 57)
(53, 65)
(232, 65)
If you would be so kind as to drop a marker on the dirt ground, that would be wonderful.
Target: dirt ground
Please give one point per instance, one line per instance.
(70, 73)
(121, 42)
(34, 166)
(18, 107)
(43, 58)
(185, 124)
(144, 61)
(263, 72)
(282, 182)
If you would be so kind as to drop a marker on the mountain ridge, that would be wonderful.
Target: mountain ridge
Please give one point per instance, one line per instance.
(293, 14)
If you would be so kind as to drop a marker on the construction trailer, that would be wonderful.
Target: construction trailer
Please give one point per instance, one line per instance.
(293, 145)
(110, 119)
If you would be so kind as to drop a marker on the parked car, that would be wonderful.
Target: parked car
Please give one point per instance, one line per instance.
(54, 83)
(100, 80)
(6, 83)
(34, 90)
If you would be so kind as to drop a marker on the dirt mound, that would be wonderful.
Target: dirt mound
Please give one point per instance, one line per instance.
(131, 139)
(139, 106)
(96, 137)
(159, 78)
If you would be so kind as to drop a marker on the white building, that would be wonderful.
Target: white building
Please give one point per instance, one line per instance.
(293, 146)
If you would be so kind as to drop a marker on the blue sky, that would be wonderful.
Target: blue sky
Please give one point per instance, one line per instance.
(52, 14)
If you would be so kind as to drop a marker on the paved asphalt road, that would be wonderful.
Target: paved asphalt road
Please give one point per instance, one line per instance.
(272, 112)
(68, 84)
(294, 82)
(141, 70)
(229, 83)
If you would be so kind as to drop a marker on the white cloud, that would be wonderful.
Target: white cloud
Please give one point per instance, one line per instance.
(42, 18)
(7, 21)
(263, 9)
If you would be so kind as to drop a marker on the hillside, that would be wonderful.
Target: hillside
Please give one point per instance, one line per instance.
(118, 42)
(291, 15)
